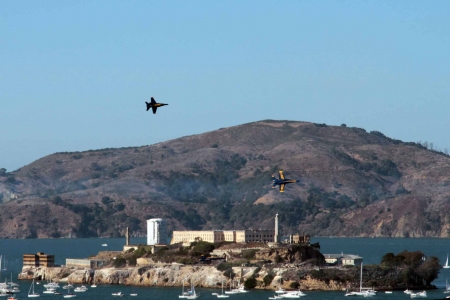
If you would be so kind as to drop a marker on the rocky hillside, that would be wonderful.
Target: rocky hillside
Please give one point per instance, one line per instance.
(352, 183)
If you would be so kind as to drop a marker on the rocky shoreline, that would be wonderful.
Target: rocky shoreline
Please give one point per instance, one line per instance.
(174, 275)
(171, 275)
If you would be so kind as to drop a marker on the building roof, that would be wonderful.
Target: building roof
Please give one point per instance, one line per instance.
(342, 256)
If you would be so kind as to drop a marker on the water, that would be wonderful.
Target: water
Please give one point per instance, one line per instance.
(371, 249)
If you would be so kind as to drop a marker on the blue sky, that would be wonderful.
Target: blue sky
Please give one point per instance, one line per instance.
(75, 75)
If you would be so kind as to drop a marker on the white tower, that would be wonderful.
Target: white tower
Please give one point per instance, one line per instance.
(156, 232)
(276, 239)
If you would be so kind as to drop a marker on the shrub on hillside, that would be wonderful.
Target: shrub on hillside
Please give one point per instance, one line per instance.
(268, 279)
(223, 266)
(294, 285)
(202, 248)
(186, 261)
(229, 273)
(250, 283)
(249, 254)
(119, 262)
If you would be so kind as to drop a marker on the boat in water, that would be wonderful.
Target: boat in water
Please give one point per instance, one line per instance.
(69, 294)
(31, 292)
(362, 292)
(292, 294)
(222, 295)
(79, 289)
(422, 294)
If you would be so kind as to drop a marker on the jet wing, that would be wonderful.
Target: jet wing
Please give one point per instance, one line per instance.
(281, 175)
(153, 101)
(154, 108)
(282, 188)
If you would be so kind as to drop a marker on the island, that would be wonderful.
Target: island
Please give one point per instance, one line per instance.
(248, 265)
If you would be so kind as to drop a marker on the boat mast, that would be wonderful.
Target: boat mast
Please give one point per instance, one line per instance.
(360, 279)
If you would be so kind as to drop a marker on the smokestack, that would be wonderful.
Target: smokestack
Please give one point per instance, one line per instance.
(127, 236)
(276, 238)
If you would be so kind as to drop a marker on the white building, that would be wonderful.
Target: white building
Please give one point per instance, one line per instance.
(343, 259)
(156, 232)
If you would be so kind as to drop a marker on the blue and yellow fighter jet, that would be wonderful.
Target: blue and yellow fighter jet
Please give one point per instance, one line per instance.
(281, 181)
(154, 105)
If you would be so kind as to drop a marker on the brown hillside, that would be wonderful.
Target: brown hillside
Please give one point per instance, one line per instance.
(352, 183)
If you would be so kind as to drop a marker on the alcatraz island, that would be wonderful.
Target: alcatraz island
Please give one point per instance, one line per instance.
(253, 259)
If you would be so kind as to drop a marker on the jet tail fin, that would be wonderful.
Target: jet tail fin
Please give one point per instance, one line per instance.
(148, 105)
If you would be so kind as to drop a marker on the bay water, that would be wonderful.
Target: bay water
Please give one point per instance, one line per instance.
(371, 249)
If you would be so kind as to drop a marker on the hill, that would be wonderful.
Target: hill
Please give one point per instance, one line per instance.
(352, 183)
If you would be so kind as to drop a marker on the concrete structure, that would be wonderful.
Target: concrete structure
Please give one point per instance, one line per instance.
(38, 260)
(299, 239)
(276, 237)
(214, 236)
(127, 237)
(343, 259)
(156, 232)
(85, 263)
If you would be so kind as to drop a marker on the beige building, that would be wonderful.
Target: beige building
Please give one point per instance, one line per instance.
(85, 263)
(214, 236)
(38, 260)
(299, 239)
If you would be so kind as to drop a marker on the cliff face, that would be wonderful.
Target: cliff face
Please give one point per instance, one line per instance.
(352, 183)
(170, 276)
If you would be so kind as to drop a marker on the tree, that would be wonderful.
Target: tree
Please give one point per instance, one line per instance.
(429, 270)
(202, 248)
(2, 171)
(119, 262)
(249, 254)
(223, 266)
(294, 285)
(229, 273)
(11, 179)
(250, 283)
(268, 279)
(389, 259)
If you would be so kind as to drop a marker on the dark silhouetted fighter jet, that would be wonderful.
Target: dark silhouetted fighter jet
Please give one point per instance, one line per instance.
(154, 105)
(281, 181)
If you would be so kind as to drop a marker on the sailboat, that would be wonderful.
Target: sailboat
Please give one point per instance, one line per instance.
(447, 287)
(4, 263)
(367, 293)
(222, 295)
(31, 292)
(231, 291)
(93, 285)
(446, 266)
(280, 289)
(193, 294)
(69, 294)
(183, 293)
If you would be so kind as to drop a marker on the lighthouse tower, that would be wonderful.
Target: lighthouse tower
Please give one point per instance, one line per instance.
(276, 238)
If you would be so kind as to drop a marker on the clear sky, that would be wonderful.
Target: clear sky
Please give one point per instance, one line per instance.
(74, 75)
